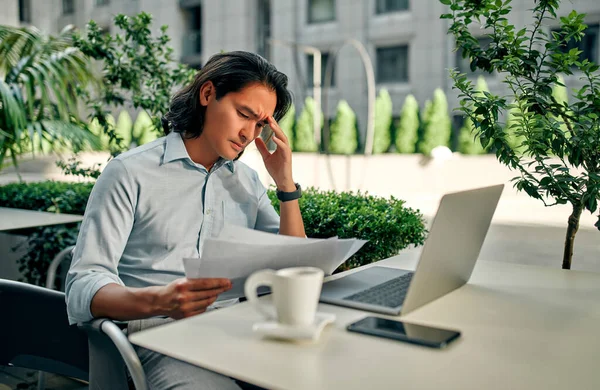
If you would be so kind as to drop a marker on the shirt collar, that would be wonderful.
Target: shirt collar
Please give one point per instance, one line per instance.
(175, 150)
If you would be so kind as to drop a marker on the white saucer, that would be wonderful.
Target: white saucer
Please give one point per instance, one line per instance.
(312, 332)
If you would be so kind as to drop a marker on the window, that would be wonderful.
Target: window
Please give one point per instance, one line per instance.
(324, 61)
(263, 25)
(100, 3)
(392, 64)
(192, 39)
(320, 11)
(385, 6)
(588, 44)
(25, 11)
(464, 64)
(68, 7)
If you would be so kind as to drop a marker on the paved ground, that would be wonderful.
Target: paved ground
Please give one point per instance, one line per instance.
(523, 230)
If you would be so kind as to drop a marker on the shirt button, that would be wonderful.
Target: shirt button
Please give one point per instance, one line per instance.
(208, 211)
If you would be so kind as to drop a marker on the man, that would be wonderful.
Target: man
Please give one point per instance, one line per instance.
(156, 204)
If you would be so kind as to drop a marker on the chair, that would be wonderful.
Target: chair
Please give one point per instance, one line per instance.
(37, 335)
(109, 349)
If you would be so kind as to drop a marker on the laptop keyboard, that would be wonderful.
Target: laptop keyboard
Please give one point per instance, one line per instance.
(388, 294)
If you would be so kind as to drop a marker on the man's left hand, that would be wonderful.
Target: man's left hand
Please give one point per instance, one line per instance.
(279, 162)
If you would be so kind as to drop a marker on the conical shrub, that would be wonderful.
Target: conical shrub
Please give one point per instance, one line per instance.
(305, 135)
(124, 128)
(143, 129)
(344, 135)
(382, 138)
(468, 141)
(436, 123)
(287, 125)
(408, 126)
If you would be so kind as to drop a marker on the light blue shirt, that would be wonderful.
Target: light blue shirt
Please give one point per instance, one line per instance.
(150, 208)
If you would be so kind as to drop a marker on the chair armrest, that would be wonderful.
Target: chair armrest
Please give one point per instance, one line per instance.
(106, 327)
(54, 265)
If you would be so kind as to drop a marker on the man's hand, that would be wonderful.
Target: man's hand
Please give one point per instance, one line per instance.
(188, 297)
(278, 163)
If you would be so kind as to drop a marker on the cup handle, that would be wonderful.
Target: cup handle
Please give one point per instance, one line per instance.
(257, 279)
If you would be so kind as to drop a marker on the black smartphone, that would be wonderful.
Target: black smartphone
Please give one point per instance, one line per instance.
(402, 331)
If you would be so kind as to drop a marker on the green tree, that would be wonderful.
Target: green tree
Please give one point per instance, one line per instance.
(138, 70)
(41, 77)
(559, 166)
(382, 139)
(436, 123)
(287, 125)
(305, 135)
(408, 126)
(468, 142)
(344, 134)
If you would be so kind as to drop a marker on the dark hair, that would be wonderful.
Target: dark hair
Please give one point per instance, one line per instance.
(229, 72)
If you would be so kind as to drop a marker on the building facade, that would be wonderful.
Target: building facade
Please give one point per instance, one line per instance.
(406, 40)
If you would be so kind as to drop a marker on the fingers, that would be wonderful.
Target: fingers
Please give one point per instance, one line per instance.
(197, 307)
(277, 130)
(279, 142)
(262, 148)
(201, 284)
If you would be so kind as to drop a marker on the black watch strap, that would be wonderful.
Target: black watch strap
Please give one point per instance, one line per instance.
(287, 196)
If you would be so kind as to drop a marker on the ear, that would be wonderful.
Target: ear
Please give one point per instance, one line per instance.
(207, 91)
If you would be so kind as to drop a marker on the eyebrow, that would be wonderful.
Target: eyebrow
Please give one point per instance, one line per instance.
(252, 113)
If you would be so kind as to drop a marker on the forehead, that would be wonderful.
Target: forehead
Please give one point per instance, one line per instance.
(258, 97)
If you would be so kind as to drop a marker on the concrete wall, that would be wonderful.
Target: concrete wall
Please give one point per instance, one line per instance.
(10, 12)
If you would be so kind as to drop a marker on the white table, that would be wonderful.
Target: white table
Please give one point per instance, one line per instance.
(14, 219)
(523, 327)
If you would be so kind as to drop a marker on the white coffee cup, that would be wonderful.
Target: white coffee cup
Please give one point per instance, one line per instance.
(295, 293)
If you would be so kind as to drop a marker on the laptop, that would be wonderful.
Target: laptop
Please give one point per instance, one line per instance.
(446, 263)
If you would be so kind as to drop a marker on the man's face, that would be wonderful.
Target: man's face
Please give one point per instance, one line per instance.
(237, 119)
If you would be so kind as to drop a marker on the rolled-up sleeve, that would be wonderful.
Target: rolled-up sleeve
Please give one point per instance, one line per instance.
(103, 235)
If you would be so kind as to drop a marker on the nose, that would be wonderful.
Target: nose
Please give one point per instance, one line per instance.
(246, 132)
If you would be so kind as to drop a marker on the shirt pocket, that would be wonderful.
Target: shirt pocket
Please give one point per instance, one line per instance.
(240, 214)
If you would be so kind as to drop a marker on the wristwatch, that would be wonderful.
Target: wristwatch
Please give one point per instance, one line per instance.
(287, 196)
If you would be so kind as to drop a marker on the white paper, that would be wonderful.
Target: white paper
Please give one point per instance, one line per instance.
(238, 252)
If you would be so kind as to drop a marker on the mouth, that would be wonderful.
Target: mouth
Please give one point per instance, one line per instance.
(237, 147)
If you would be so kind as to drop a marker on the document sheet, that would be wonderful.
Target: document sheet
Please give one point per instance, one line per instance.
(237, 252)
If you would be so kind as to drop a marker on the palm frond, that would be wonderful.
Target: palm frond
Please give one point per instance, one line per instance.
(40, 76)
(12, 112)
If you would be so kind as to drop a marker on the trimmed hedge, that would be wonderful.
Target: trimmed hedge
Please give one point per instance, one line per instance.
(386, 223)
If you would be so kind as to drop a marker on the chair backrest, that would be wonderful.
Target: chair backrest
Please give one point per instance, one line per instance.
(110, 353)
(35, 333)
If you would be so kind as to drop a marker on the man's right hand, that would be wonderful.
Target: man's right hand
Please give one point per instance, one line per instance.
(188, 297)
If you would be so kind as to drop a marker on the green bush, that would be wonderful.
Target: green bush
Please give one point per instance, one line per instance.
(408, 126)
(382, 139)
(344, 134)
(45, 242)
(386, 223)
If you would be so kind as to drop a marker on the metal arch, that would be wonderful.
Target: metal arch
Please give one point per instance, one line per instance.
(368, 65)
